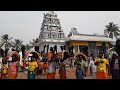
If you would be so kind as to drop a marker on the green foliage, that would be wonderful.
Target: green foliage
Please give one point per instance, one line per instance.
(17, 44)
(113, 30)
(5, 41)
(27, 47)
(1, 52)
(34, 42)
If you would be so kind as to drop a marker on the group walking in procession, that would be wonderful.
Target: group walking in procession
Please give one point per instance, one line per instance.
(37, 63)
(53, 55)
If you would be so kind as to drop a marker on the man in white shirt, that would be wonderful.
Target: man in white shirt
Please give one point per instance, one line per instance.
(93, 69)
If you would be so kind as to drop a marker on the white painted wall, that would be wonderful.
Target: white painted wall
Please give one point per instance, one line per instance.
(51, 45)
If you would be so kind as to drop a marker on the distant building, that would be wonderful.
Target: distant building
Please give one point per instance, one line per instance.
(88, 44)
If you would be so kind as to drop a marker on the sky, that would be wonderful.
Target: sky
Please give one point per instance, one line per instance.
(25, 25)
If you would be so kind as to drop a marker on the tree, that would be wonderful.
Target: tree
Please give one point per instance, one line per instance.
(113, 30)
(17, 44)
(34, 42)
(27, 46)
(95, 34)
(6, 51)
(1, 52)
(6, 40)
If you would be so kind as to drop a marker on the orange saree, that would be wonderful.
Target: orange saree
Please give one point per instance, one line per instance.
(101, 75)
(50, 75)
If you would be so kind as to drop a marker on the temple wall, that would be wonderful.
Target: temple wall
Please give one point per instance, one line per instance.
(51, 45)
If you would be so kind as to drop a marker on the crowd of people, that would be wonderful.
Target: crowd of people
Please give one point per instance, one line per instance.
(100, 67)
(103, 67)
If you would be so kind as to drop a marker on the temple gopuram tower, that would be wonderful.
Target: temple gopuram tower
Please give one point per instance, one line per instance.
(51, 32)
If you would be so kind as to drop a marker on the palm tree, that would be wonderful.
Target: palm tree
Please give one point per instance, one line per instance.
(17, 44)
(6, 40)
(113, 30)
(27, 46)
(34, 42)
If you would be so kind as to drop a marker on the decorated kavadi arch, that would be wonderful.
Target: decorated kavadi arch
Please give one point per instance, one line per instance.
(81, 54)
(34, 53)
(13, 53)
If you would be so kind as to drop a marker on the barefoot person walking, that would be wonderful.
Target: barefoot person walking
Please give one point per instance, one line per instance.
(62, 70)
(79, 72)
(12, 70)
(51, 65)
(32, 67)
(92, 68)
(102, 67)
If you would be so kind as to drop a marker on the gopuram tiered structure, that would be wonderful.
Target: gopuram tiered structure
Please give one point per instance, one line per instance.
(51, 32)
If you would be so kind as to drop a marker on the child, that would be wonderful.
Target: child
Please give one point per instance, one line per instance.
(4, 68)
(79, 72)
(32, 68)
(4, 71)
(62, 70)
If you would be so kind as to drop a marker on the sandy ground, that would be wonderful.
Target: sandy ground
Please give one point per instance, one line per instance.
(70, 74)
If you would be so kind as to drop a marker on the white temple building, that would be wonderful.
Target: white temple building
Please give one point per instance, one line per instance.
(51, 32)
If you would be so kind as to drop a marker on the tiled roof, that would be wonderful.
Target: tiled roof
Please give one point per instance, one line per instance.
(81, 37)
